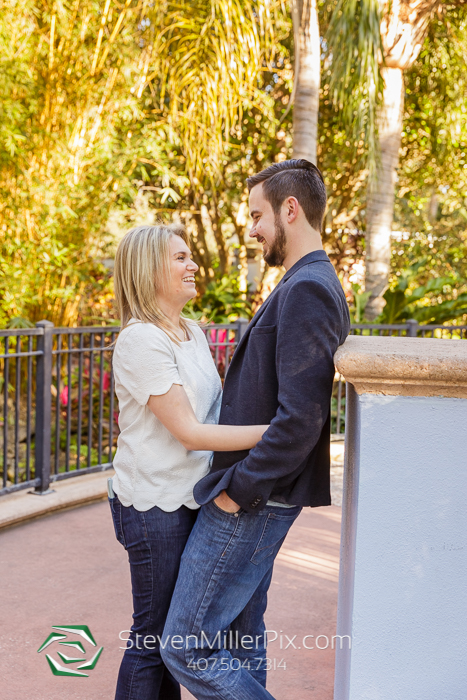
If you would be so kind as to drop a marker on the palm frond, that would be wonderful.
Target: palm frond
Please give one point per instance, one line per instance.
(354, 53)
(206, 63)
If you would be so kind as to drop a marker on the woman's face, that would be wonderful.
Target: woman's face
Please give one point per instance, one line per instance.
(181, 287)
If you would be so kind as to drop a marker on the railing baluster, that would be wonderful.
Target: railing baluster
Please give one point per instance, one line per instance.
(6, 379)
(101, 399)
(216, 347)
(339, 400)
(68, 403)
(17, 406)
(111, 404)
(228, 348)
(90, 395)
(28, 409)
(58, 369)
(80, 401)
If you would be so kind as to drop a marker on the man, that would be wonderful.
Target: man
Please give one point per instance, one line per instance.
(281, 373)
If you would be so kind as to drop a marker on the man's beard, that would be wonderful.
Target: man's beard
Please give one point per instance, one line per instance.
(275, 255)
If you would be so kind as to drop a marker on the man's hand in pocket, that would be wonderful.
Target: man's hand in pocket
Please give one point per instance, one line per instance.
(224, 502)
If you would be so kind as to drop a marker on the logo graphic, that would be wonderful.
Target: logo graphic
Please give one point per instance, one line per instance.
(71, 646)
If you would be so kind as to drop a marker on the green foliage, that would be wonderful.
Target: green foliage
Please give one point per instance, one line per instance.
(101, 102)
(205, 59)
(65, 100)
(431, 212)
(354, 48)
(360, 300)
(222, 302)
(434, 302)
(220, 125)
(431, 194)
(104, 105)
(431, 208)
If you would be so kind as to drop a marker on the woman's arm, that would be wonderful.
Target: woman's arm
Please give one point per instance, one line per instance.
(174, 411)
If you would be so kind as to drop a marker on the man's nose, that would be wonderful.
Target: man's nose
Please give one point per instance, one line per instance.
(252, 233)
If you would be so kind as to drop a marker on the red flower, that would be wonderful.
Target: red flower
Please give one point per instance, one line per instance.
(64, 396)
(106, 381)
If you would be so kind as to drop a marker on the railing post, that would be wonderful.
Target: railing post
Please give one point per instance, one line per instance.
(43, 408)
(412, 328)
(242, 325)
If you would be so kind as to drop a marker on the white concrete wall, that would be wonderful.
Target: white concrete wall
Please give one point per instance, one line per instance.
(403, 586)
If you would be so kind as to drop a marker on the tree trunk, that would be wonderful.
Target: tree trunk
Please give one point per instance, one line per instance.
(380, 205)
(307, 79)
(404, 26)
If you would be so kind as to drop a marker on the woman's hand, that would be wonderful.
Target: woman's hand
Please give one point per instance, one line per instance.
(175, 412)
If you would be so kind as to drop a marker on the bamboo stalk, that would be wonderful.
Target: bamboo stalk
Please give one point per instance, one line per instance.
(99, 36)
(51, 44)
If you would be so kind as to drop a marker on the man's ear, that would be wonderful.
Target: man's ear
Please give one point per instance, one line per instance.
(292, 209)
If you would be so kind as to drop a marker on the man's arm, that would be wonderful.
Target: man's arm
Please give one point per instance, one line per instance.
(308, 335)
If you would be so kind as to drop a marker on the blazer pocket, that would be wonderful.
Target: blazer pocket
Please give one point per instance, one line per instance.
(263, 329)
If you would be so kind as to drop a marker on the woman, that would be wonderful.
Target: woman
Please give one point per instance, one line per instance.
(169, 395)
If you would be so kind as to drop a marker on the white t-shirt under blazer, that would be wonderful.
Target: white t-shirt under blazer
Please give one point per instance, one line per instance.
(151, 467)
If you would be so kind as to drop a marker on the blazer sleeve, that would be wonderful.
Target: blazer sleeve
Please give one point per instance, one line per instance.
(308, 335)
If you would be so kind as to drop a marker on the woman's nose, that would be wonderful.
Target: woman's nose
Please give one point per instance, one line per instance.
(192, 266)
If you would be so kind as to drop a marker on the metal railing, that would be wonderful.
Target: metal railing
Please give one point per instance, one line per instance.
(411, 329)
(58, 412)
(58, 416)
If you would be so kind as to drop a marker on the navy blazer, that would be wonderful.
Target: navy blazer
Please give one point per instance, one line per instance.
(282, 373)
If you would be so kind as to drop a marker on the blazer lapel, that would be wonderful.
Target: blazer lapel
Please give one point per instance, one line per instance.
(315, 256)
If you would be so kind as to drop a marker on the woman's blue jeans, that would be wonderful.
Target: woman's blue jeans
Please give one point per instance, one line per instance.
(154, 541)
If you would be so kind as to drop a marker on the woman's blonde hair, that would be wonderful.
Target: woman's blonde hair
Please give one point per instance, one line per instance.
(142, 267)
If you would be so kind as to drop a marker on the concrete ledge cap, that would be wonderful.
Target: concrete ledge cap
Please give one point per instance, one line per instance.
(21, 506)
(404, 366)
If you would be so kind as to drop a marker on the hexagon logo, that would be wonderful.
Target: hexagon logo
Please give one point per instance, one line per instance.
(72, 646)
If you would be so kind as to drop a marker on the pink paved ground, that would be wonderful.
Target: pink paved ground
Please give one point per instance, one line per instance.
(69, 569)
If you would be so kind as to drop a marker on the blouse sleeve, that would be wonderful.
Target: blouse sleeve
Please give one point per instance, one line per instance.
(145, 363)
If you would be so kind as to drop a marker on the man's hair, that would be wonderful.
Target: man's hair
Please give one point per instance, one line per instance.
(294, 178)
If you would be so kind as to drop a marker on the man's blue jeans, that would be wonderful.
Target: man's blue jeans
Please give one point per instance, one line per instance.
(154, 541)
(214, 637)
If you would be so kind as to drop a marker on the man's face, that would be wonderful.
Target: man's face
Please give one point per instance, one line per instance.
(267, 228)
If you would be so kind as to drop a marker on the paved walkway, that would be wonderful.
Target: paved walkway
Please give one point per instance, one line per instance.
(68, 569)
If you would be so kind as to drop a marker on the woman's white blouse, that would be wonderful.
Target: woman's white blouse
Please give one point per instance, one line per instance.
(151, 467)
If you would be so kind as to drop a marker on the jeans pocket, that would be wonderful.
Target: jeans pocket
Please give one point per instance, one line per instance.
(224, 512)
(116, 510)
(274, 532)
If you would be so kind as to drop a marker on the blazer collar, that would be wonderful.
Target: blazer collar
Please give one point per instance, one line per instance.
(315, 256)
